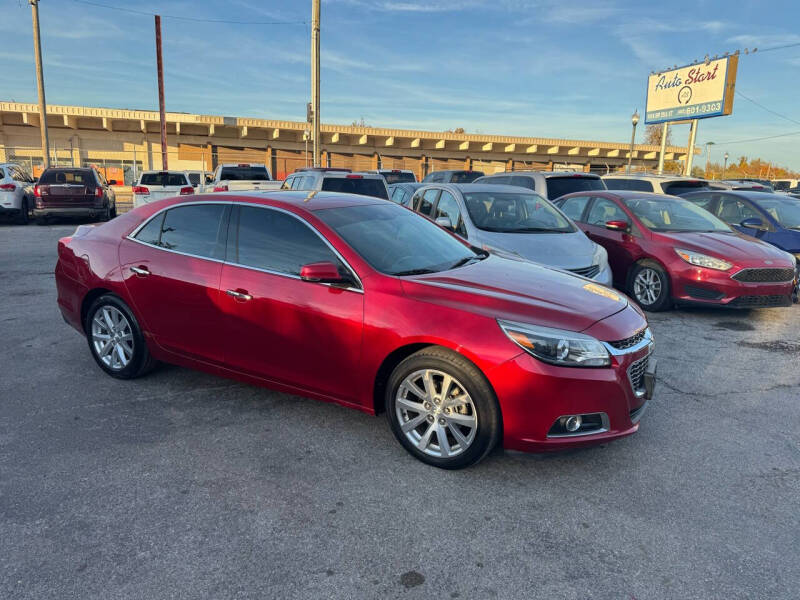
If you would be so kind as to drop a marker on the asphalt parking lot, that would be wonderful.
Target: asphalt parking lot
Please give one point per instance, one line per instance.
(183, 485)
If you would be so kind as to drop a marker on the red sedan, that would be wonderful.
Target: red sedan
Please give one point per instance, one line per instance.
(361, 302)
(664, 250)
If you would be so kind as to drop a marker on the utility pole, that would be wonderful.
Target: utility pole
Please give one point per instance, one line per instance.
(690, 152)
(664, 133)
(37, 51)
(161, 95)
(315, 80)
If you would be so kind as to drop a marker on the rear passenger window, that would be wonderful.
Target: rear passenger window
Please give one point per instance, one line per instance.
(151, 233)
(274, 241)
(573, 207)
(425, 205)
(197, 229)
(499, 180)
(526, 182)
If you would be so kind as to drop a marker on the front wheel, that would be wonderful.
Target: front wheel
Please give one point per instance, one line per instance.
(116, 340)
(442, 409)
(649, 286)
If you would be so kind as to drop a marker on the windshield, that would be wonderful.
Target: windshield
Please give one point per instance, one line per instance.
(163, 178)
(352, 185)
(558, 186)
(398, 177)
(395, 240)
(465, 176)
(244, 174)
(679, 188)
(785, 211)
(511, 212)
(673, 214)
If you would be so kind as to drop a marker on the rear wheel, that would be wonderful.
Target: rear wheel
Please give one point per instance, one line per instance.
(649, 286)
(116, 340)
(441, 409)
(106, 214)
(22, 217)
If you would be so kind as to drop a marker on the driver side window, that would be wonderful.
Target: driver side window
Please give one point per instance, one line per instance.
(604, 210)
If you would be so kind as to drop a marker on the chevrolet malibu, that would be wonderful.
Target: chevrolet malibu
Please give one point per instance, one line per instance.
(664, 250)
(359, 301)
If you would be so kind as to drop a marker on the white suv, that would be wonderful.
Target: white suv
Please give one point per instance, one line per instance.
(672, 185)
(16, 192)
(337, 180)
(155, 185)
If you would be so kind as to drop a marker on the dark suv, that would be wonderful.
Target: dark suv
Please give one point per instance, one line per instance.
(74, 192)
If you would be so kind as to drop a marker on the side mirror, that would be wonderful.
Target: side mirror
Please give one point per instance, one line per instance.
(754, 223)
(321, 272)
(444, 222)
(618, 225)
(112, 182)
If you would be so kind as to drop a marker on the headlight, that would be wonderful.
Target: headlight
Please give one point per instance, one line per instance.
(556, 346)
(600, 256)
(703, 260)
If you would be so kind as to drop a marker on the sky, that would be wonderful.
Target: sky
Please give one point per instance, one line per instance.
(571, 69)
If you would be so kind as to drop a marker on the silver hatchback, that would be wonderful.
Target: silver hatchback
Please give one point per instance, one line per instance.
(509, 220)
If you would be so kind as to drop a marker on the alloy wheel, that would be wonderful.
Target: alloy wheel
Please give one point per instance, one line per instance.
(647, 286)
(112, 337)
(436, 413)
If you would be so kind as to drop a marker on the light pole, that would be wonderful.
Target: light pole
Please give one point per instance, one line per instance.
(306, 135)
(37, 52)
(708, 157)
(634, 122)
(724, 165)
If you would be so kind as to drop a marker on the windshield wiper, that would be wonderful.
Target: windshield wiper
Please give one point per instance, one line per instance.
(414, 272)
(540, 229)
(467, 259)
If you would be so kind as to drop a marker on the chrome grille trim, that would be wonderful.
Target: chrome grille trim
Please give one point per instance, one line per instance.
(636, 375)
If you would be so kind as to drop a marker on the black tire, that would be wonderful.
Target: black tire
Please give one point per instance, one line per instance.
(42, 220)
(141, 361)
(106, 214)
(22, 217)
(484, 403)
(650, 269)
(114, 212)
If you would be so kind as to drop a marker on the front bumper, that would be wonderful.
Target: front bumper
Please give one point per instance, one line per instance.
(604, 276)
(535, 396)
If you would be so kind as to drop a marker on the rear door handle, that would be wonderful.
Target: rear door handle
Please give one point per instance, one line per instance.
(140, 271)
(239, 295)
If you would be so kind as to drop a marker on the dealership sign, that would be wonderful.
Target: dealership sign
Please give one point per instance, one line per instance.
(692, 92)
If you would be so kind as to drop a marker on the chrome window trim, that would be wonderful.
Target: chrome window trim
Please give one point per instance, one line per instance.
(132, 237)
(647, 341)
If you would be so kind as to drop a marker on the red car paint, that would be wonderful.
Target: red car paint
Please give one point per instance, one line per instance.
(334, 344)
(626, 248)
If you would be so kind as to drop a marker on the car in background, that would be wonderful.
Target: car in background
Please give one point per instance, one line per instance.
(337, 180)
(738, 184)
(16, 192)
(361, 302)
(401, 193)
(673, 185)
(196, 179)
(396, 175)
(783, 185)
(157, 185)
(771, 218)
(452, 176)
(765, 182)
(793, 192)
(550, 184)
(666, 250)
(74, 192)
(513, 222)
(241, 177)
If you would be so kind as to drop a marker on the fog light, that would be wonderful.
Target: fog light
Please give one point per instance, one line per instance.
(573, 423)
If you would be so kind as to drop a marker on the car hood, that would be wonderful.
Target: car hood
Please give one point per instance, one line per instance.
(521, 291)
(731, 246)
(562, 250)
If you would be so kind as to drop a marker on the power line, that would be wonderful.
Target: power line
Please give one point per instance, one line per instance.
(769, 137)
(187, 18)
(769, 110)
(792, 45)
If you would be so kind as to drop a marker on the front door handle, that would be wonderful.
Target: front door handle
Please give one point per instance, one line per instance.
(140, 271)
(239, 295)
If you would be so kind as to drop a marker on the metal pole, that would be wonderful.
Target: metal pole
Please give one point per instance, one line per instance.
(708, 158)
(37, 51)
(634, 122)
(161, 95)
(315, 80)
(690, 153)
(724, 166)
(664, 132)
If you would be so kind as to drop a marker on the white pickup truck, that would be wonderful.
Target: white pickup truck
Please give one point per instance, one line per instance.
(241, 177)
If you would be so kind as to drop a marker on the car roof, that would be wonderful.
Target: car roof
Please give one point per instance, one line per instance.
(646, 176)
(163, 171)
(546, 174)
(411, 184)
(741, 193)
(483, 187)
(243, 164)
(350, 175)
(620, 194)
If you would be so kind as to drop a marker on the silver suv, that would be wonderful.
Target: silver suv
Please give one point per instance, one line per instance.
(337, 180)
(550, 184)
(672, 185)
(16, 192)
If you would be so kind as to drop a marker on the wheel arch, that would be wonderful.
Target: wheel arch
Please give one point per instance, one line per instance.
(90, 297)
(649, 258)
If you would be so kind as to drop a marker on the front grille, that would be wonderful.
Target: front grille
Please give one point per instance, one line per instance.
(703, 293)
(764, 275)
(636, 374)
(586, 271)
(629, 342)
(761, 301)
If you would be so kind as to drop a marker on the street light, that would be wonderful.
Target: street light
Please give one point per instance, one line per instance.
(634, 122)
(708, 158)
(725, 165)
